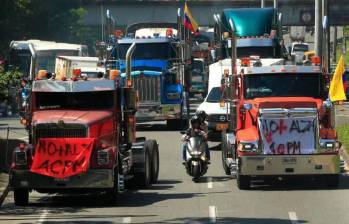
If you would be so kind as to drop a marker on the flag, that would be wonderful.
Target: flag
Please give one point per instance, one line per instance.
(336, 87)
(189, 21)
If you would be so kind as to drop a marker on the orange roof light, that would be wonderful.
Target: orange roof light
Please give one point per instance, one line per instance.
(169, 33)
(42, 74)
(245, 62)
(315, 60)
(118, 33)
(76, 72)
(113, 74)
(129, 83)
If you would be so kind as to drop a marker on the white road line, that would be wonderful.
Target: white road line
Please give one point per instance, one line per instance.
(126, 220)
(42, 217)
(212, 210)
(293, 217)
(209, 183)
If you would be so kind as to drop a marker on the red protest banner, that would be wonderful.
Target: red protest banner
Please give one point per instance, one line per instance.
(62, 157)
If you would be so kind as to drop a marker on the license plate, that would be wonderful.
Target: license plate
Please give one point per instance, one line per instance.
(65, 179)
(289, 160)
(221, 127)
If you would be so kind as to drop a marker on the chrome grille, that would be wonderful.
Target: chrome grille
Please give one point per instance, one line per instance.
(60, 131)
(148, 88)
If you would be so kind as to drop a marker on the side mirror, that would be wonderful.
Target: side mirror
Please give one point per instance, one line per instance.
(247, 106)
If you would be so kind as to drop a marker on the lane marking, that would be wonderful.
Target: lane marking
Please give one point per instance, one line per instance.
(43, 217)
(212, 210)
(293, 217)
(209, 183)
(126, 220)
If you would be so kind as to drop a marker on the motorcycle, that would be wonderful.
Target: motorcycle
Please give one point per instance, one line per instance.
(196, 162)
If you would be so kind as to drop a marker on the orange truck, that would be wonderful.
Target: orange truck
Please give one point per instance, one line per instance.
(281, 125)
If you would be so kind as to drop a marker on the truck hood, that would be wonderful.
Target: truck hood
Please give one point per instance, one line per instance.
(211, 108)
(70, 116)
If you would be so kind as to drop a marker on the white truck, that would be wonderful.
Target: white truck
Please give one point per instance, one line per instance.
(87, 66)
(217, 113)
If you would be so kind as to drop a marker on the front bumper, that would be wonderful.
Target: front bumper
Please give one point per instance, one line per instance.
(158, 113)
(93, 178)
(279, 165)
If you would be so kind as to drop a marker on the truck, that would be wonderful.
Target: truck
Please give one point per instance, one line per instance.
(198, 77)
(26, 55)
(88, 66)
(259, 40)
(281, 125)
(158, 70)
(83, 140)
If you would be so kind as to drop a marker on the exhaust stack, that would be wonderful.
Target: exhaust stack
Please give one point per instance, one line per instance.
(128, 62)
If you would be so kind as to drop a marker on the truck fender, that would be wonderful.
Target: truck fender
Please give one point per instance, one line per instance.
(229, 141)
(138, 156)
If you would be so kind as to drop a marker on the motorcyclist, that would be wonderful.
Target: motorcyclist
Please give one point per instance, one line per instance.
(194, 129)
(203, 117)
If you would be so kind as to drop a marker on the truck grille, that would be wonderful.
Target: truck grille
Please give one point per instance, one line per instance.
(60, 131)
(148, 88)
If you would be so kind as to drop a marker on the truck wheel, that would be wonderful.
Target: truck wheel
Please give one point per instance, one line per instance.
(154, 158)
(143, 179)
(243, 182)
(224, 159)
(111, 194)
(21, 196)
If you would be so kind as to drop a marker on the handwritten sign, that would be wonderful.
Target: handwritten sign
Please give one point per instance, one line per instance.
(62, 157)
(288, 135)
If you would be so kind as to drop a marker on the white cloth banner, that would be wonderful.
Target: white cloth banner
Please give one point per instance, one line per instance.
(288, 135)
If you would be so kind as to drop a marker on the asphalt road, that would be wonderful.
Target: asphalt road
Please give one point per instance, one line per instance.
(177, 199)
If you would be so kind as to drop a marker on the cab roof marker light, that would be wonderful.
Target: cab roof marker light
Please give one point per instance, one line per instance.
(283, 69)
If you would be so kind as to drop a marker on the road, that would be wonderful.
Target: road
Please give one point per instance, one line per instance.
(177, 199)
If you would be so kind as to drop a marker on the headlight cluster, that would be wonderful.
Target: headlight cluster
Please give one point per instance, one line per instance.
(249, 146)
(327, 144)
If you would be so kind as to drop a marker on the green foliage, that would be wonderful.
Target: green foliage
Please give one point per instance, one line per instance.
(343, 135)
(57, 20)
(8, 80)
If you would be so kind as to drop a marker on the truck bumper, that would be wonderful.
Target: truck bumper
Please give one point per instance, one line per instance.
(158, 113)
(93, 178)
(289, 165)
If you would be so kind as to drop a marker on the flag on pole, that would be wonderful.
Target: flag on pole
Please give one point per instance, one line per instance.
(336, 87)
(189, 21)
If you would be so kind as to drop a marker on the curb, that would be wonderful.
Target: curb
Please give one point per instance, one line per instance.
(5, 188)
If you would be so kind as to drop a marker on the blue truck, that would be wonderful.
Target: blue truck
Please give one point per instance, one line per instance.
(157, 71)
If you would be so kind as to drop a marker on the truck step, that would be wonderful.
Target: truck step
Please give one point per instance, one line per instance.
(121, 183)
(232, 166)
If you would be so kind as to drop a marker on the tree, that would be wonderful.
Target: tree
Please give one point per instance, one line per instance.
(57, 20)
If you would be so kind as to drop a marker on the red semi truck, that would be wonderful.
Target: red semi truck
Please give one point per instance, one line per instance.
(82, 139)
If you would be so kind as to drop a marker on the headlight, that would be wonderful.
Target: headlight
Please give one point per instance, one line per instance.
(327, 144)
(195, 153)
(249, 146)
(173, 96)
(102, 157)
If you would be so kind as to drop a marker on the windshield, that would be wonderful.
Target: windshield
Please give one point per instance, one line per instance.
(47, 59)
(282, 85)
(77, 100)
(148, 51)
(215, 95)
(20, 60)
(300, 47)
(198, 65)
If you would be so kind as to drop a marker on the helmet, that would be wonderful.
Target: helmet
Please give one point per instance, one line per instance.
(202, 115)
(194, 119)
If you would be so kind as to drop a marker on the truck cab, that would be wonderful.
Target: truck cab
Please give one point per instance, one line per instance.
(278, 130)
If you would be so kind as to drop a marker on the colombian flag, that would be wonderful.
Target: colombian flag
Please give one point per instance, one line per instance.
(337, 88)
(189, 21)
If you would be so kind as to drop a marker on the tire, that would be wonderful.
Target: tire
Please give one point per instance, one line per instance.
(21, 196)
(111, 194)
(154, 158)
(332, 181)
(243, 182)
(224, 157)
(143, 179)
(196, 172)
